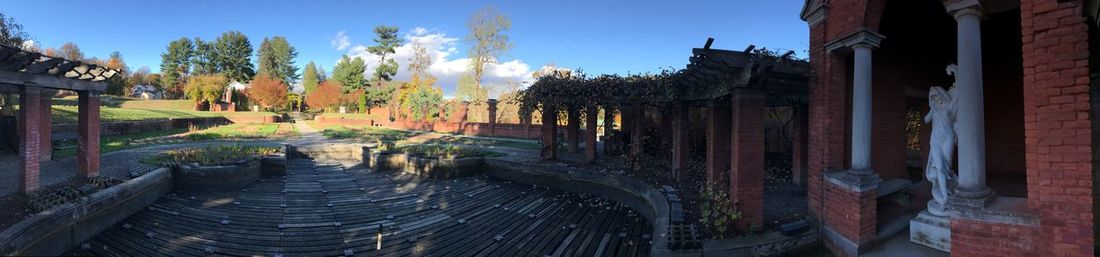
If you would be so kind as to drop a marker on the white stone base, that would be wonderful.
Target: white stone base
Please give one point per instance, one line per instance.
(931, 231)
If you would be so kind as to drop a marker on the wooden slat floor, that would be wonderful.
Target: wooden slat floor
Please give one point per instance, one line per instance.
(322, 209)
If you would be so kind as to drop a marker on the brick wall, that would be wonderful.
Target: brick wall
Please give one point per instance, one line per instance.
(1056, 124)
(467, 128)
(851, 214)
(980, 239)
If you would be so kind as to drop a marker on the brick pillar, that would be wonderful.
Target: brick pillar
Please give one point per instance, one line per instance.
(637, 120)
(492, 117)
(681, 144)
(718, 141)
(747, 156)
(572, 130)
(851, 217)
(87, 155)
(29, 126)
(609, 129)
(590, 133)
(463, 112)
(46, 137)
(627, 126)
(799, 145)
(549, 149)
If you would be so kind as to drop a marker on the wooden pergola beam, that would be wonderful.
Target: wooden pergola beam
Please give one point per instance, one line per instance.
(42, 81)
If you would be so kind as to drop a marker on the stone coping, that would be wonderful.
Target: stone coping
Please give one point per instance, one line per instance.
(66, 226)
(647, 200)
(650, 203)
(1003, 210)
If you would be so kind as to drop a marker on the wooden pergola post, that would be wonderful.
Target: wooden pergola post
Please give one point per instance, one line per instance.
(590, 133)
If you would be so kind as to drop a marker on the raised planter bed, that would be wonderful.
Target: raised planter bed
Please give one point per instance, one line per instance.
(444, 168)
(222, 167)
(66, 226)
(384, 161)
(195, 177)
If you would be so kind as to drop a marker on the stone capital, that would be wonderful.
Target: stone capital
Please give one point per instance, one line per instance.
(860, 38)
(964, 8)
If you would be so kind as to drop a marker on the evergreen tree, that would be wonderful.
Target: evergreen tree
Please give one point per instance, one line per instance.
(175, 63)
(310, 78)
(349, 72)
(386, 41)
(276, 58)
(204, 58)
(232, 53)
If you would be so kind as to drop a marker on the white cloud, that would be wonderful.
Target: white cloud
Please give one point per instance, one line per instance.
(341, 41)
(447, 63)
(29, 45)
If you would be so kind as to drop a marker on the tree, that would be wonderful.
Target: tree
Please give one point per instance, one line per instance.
(69, 51)
(325, 96)
(276, 58)
(487, 38)
(204, 58)
(419, 97)
(386, 41)
(310, 78)
(469, 90)
(206, 88)
(349, 72)
(116, 62)
(267, 91)
(175, 63)
(421, 61)
(232, 52)
(11, 33)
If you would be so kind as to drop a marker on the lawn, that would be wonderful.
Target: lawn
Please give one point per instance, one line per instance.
(350, 116)
(369, 134)
(110, 143)
(374, 134)
(67, 114)
(235, 131)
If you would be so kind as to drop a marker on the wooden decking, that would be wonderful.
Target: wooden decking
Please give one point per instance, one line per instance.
(325, 210)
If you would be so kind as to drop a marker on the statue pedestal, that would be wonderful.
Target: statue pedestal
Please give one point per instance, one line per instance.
(931, 231)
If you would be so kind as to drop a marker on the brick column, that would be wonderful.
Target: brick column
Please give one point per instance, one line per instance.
(747, 156)
(850, 218)
(572, 130)
(637, 126)
(549, 132)
(609, 129)
(718, 141)
(590, 133)
(799, 145)
(627, 126)
(492, 117)
(29, 126)
(680, 143)
(46, 137)
(87, 155)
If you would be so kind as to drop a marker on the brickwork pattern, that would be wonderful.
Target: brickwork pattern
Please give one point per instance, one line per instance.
(87, 157)
(29, 137)
(983, 239)
(1056, 124)
(718, 141)
(851, 214)
(747, 162)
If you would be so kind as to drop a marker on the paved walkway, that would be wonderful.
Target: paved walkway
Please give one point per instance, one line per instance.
(322, 209)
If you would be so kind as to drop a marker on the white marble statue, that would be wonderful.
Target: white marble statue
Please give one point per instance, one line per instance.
(942, 144)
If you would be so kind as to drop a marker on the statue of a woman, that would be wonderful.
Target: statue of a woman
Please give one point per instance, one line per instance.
(942, 145)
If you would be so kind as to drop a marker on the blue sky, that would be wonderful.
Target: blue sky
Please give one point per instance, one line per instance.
(600, 36)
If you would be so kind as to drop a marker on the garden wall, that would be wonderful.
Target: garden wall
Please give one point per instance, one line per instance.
(138, 126)
(64, 227)
(461, 128)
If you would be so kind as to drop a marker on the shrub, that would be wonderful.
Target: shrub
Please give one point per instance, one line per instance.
(214, 155)
(719, 213)
(268, 92)
(325, 96)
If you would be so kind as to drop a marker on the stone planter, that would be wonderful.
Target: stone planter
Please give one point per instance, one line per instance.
(273, 165)
(444, 169)
(386, 161)
(193, 177)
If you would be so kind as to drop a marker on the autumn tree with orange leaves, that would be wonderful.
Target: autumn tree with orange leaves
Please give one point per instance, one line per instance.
(325, 96)
(268, 92)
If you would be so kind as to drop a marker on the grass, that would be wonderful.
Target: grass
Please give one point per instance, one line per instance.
(370, 134)
(213, 155)
(111, 143)
(350, 116)
(445, 152)
(235, 131)
(528, 145)
(67, 114)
